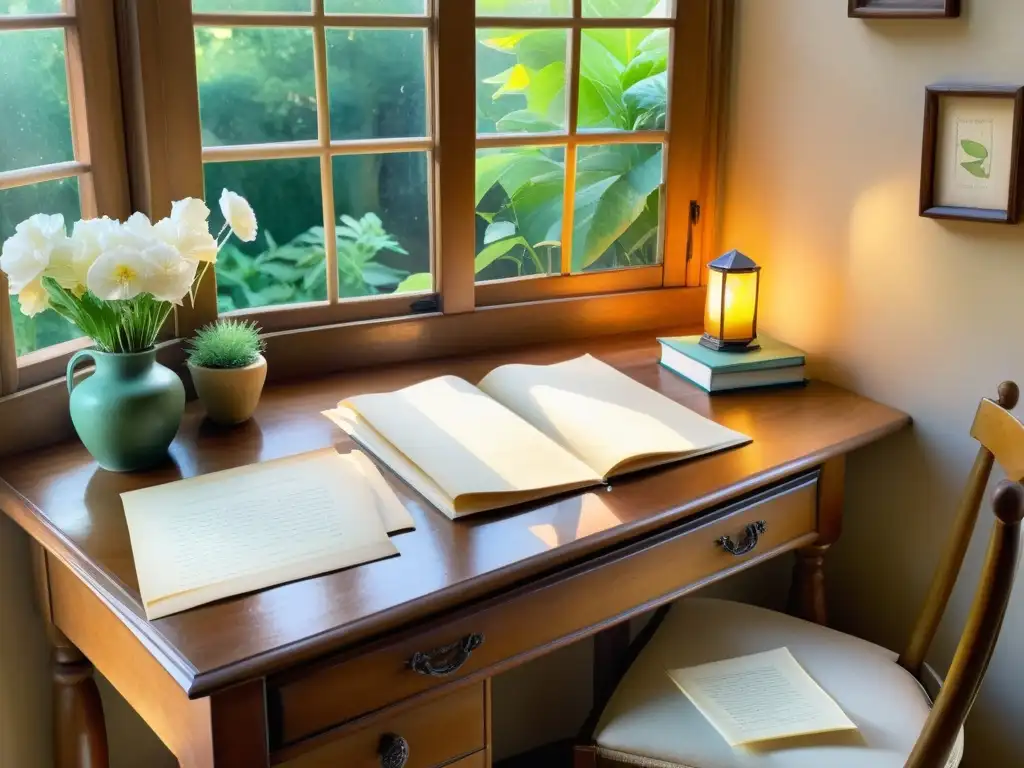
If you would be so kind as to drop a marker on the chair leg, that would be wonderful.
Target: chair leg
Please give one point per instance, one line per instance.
(807, 591)
(584, 757)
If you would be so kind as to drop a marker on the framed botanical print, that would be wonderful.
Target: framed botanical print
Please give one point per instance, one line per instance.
(971, 160)
(904, 9)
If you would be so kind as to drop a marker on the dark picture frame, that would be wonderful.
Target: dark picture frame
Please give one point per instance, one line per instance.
(904, 9)
(930, 207)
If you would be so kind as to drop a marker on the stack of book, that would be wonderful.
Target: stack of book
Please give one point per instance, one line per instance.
(773, 364)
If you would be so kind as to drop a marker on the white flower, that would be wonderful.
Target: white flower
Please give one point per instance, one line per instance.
(26, 254)
(170, 276)
(89, 239)
(33, 298)
(63, 267)
(239, 215)
(191, 212)
(194, 244)
(119, 273)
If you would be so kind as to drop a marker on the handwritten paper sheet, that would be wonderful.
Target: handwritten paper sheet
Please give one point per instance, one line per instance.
(760, 697)
(244, 529)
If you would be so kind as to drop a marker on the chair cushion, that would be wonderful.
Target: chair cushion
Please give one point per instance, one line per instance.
(650, 722)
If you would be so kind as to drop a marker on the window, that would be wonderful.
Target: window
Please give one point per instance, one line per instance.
(55, 66)
(404, 157)
(322, 120)
(345, 121)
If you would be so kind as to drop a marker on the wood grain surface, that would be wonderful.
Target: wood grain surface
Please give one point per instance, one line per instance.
(74, 510)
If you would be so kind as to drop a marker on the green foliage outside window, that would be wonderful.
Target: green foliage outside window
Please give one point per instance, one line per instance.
(256, 85)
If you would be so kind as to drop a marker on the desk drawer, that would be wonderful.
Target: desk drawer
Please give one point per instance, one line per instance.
(542, 615)
(434, 734)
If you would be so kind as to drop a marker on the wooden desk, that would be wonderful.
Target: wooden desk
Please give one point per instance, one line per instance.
(314, 673)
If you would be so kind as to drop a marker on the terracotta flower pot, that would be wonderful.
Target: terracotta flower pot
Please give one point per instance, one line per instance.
(230, 395)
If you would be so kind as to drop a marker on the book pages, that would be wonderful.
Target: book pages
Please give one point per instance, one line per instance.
(761, 697)
(244, 529)
(468, 444)
(392, 511)
(612, 422)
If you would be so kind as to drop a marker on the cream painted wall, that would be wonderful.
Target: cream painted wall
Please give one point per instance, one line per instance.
(821, 188)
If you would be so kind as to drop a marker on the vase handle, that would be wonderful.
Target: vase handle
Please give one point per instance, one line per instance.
(75, 358)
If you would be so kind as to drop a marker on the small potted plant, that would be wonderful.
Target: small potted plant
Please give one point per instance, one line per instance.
(228, 369)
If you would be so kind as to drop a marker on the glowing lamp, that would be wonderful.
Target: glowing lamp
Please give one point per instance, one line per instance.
(730, 319)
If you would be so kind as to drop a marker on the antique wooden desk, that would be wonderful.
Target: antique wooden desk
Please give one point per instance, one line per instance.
(331, 670)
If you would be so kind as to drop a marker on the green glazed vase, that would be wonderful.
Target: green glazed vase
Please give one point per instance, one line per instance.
(128, 412)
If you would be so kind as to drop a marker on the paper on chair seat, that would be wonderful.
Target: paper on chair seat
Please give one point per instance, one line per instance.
(760, 697)
(248, 528)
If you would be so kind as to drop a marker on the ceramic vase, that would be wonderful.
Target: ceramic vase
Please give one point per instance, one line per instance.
(128, 412)
(230, 395)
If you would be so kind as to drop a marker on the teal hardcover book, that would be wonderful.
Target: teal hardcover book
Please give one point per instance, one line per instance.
(772, 354)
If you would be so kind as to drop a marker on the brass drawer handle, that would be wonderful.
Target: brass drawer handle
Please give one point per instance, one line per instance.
(446, 659)
(393, 751)
(752, 532)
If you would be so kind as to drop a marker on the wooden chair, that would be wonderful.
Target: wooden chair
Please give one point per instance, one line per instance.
(648, 722)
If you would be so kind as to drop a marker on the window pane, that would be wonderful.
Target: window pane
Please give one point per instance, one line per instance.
(286, 264)
(383, 226)
(16, 205)
(524, 7)
(617, 210)
(23, 7)
(628, 9)
(520, 80)
(35, 128)
(265, 6)
(256, 85)
(412, 7)
(520, 201)
(623, 79)
(377, 83)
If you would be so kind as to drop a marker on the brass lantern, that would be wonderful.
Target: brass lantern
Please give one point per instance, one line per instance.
(730, 319)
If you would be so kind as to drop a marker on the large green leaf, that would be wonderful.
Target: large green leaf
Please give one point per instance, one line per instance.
(511, 170)
(623, 44)
(538, 208)
(644, 65)
(495, 251)
(606, 209)
(524, 120)
(643, 229)
(647, 102)
(619, 9)
(421, 281)
(542, 94)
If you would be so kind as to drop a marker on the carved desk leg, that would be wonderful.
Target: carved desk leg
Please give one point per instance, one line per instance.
(80, 735)
(79, 732)
(807, 592)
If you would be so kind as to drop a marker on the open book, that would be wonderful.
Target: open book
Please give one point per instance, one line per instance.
(525, 432)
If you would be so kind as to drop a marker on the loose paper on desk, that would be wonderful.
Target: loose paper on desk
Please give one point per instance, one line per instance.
(244, 529)
(760, 697)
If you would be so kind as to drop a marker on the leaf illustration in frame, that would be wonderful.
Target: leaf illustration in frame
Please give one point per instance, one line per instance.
(974, 148)
(976, 168)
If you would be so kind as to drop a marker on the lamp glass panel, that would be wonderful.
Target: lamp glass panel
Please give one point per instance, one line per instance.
(740, 303)
(713, 309)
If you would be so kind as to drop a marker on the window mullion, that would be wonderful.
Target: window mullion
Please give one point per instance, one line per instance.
(323, 121)
(575, 54)
(455, 154)
(94, 95)
(8, 351)
(687, 125)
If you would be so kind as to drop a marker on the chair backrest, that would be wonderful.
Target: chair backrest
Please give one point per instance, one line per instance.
(1002, 441)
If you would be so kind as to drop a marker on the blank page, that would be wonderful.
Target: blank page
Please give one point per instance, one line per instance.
(603, 416)
(760, 697)
(466, 443)
(227, 533)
